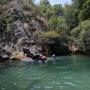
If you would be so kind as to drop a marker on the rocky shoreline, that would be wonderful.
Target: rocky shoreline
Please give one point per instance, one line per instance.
(24, 55)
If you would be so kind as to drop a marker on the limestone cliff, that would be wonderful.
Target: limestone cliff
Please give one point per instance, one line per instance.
(20, 25)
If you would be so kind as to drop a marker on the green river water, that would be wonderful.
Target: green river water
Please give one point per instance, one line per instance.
(65, 73)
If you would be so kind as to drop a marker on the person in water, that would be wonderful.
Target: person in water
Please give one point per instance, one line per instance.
(43, 57)
(53, 56)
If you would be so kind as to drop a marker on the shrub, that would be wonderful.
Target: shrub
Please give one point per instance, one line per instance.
(81, 35)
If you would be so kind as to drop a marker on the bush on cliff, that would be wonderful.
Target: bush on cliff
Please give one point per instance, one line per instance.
(81, 35)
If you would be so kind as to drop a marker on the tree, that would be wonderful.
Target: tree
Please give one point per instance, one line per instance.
(44, 5)
(57, 23)
(81, 35)
(85, 11)
(70, 15)
(58, 10)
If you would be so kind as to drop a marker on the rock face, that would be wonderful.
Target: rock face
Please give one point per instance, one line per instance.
(22, 26)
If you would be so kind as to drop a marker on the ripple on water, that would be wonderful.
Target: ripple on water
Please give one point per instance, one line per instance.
(55, 83)
(3, 88)
(68, 78)
(71, 84)
(61, 87)
(48, 87)
(37, 86)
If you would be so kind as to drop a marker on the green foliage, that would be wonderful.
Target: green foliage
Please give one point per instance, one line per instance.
(85, 11)
(57, 43)
(44, 6)
(50, 12)
(70, 15)
(57, 23)
(54, 14)
(50, 35)
(47, 10)
(81, 35)
(58, 10)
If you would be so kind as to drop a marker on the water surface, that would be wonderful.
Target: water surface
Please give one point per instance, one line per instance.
(66, 73)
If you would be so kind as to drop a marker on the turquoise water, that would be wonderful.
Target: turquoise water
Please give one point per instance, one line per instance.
(66, 73)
